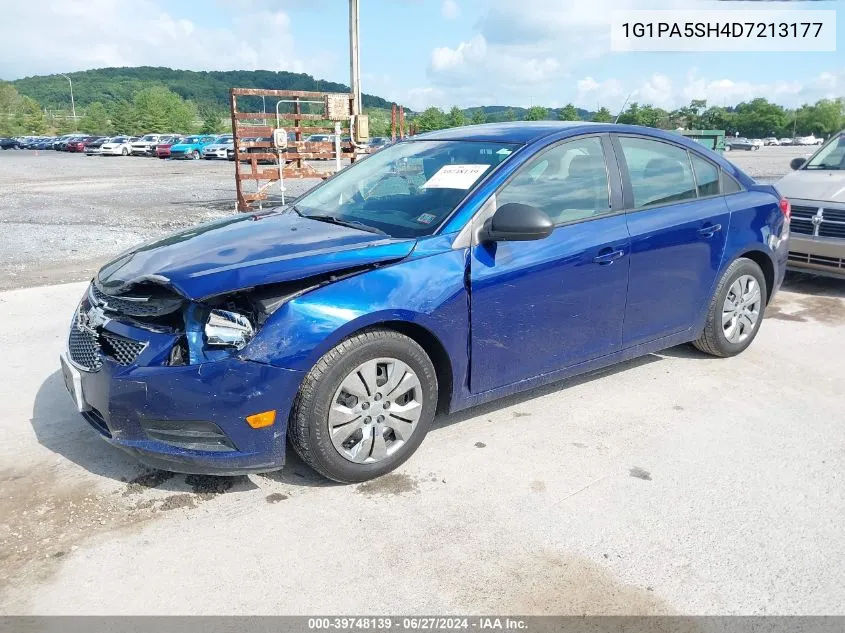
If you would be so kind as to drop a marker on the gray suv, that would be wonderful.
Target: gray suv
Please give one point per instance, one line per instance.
(816, 189)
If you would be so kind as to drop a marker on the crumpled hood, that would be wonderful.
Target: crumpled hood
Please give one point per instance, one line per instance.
(248, 250)
(821, 185)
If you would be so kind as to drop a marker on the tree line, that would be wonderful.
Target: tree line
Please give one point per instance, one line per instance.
(757, 118)
(156, 108)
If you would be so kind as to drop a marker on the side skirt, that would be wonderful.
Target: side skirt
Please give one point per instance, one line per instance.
(464, 401)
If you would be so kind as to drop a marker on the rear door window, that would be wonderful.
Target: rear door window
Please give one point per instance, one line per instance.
(706, 176)
(660, 173)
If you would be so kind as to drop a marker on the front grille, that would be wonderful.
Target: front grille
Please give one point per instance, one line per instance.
(83, 348)
(123, 306)
(818, 222)
(123, 350)
(87, 349)
(806, 258)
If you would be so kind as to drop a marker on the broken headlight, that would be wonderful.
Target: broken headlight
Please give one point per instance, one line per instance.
(225, 328)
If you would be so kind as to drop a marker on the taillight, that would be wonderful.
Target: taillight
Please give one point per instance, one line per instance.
(786, 208)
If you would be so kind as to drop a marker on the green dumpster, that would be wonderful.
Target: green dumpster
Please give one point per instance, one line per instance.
(711, 139)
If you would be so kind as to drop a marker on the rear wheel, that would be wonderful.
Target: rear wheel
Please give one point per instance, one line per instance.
(365, 407)
(736, 310)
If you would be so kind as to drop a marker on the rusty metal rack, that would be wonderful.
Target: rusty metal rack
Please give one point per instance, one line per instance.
(288, 158)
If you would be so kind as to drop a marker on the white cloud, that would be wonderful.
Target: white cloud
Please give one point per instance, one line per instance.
(661, 91)
(450, 9)
(142, 32)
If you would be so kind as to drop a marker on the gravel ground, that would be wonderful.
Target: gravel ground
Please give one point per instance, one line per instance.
(63, 215)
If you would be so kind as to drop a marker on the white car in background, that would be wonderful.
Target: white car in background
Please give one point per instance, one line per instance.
(771, 140)
(758, 142)
(220, 148)
(117, 146)
(809, 140)
(146, 145)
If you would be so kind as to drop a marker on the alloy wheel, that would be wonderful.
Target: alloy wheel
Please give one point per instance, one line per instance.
(375, 410)
(741, 309)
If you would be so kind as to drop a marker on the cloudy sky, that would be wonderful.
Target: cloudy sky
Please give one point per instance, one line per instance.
(418, 52)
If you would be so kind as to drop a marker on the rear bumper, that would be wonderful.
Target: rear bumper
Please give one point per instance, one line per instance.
(817, 255)
(191, 419)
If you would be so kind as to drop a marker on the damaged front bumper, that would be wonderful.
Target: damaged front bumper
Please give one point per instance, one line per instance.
(185, 418)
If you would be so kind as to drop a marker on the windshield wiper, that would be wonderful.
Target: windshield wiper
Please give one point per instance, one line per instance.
(350, 223)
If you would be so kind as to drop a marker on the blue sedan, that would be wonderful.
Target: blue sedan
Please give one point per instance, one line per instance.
(442, 272)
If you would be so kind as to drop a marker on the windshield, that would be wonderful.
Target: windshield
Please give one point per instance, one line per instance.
(149, 137)
(830, 156)
(405, 190)
(191, 139)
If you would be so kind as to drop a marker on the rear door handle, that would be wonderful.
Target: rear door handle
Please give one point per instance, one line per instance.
(709, 230)
(608, 256)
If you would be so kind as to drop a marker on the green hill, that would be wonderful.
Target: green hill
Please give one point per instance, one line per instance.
(205, 88)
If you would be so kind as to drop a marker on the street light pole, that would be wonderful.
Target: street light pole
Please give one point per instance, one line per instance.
(355, 65)
(72, 105)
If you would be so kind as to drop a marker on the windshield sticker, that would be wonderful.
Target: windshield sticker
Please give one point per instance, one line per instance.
(505, 151)
(455, 176)
(426, 218)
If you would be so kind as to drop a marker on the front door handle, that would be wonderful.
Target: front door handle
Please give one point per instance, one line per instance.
(709, 230)
(608, 256)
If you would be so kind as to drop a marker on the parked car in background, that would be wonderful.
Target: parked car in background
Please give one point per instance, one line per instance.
(191, 146)
(808, 140)
(378, 142)
(737, 143)
(93, 148)
(442, 272)
(219, 148)
(117, 146)
(786, 141)
(249, 146)
(771, 140)
(816, 189)
(162, 149)
(145, 146)
(61, 144)
(758, 142)
(320, 138)
(9, 143)
(77, 145)
(45, 143)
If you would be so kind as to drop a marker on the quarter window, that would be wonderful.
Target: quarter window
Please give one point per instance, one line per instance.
(568, 182)
(706, 176)
(660, 173)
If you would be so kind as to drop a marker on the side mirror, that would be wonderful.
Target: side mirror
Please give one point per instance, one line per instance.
(515, 222)
(797, 163)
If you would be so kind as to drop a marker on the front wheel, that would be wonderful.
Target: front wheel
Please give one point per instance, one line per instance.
(736, 310)
(195, 155)
(125, 152)
(365, 407)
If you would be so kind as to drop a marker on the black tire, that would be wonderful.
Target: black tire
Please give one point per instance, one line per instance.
(308, 429)
(195, 155)
(124, 152)
(713, 340)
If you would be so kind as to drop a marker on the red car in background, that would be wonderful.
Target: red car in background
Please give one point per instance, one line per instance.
(163, 148)
(78, 144)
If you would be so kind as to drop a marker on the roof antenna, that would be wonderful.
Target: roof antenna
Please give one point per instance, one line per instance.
(623, 106)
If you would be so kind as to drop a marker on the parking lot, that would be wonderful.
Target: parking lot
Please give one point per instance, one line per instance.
(674, 483)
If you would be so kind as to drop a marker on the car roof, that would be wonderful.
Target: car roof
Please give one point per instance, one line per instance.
(506, 132)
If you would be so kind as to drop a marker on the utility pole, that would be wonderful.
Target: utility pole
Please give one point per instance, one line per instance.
(355, 64)
(72, 105)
